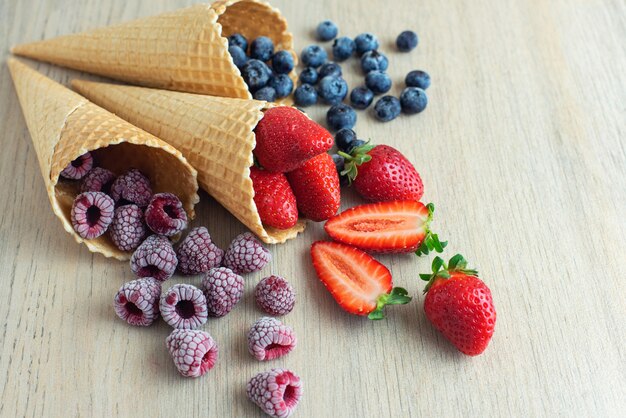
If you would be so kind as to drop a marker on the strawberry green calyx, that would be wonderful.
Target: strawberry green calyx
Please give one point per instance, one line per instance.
(431, 241)
(397, 296)
(440, 270)
(358, 155)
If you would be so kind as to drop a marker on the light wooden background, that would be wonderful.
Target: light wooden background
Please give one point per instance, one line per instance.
(521, 148)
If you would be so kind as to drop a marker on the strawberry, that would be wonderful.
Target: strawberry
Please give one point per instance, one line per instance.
(400, 226)
(459, 305)
(274, 199)
(316, 186)
(360, 284)
(381, 173)
(286, 138)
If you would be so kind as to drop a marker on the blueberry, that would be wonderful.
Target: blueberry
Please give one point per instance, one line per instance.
(332, 89)
(256, 74)
(340, 116)
(365, 42)
(326, 30)
(313, 56)
(282, 62)
(406, 41)
(378, 82)
(344, 139)
(309, 75)
(387, 108)
(267, 93)
(413, 100)
(238, 55)
(343, 48)
(305, 95)
(354, 144)
(361, 97)
(330, 68)
(417, 78)
(282, 84)
(374, 61)
(239, 40)
(262, 48)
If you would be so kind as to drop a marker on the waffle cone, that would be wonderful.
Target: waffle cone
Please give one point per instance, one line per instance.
(214, 133)
(185, 50)
(64, 125)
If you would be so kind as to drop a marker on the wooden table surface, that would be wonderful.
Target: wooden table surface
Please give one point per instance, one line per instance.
(521, 148)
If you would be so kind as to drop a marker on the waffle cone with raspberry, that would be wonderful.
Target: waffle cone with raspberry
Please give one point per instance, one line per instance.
(215, 134)
(64, 126)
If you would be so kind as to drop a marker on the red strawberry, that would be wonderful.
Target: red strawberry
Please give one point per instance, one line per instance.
(286, 138)
(381, 173)
(400, 226)
(360, 284)
(459, 305)
(316, 186)
(274, 199)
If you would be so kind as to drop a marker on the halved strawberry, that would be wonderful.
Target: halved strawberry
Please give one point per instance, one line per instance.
(399, 226)
(360, 284)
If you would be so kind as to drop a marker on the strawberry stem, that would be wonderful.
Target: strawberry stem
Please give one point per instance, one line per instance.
(440, 270)
(397, 296)
(431, 240)
(357, 156)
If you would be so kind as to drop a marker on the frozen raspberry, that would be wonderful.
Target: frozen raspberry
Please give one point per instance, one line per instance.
(155, 257)
(269, 339)
(92, 213)
(137, 302)
(277, 392)
(222, 289)
(97, 180)
(127, 230)
(165, 214)
(275, 295)
(246, 254)
(194, 351)
(78, 168)
(184, 307)
(131, 187)
(197, 254)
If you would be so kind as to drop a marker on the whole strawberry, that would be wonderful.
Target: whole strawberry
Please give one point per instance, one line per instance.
(459, 305)
(274, 199)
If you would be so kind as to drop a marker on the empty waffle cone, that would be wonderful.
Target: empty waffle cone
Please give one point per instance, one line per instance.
(185, 50)
(215, 134)
(64, 126)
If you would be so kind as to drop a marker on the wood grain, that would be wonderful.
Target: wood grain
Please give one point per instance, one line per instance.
(522, 149)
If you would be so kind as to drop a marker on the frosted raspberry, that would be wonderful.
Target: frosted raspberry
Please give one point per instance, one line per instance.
(275, 295)
(165, 214)
(92, 213)
(97, 180)
(222, 289)
(184, 307)
(277, 392)
(246, 254)
(197, 254)
(137, 302)
(78, 168)
(131, 187)
(127, 230)
(269, 339)
(155, 257)
(194, 351)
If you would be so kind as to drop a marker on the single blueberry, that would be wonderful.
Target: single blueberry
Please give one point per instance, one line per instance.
(417, 78)
(387, 108)
(406, 41)
(305, 95)
(326, 30)
(374, 61)
(378, 82)
(343, 48)
(313, 56)
(256, 74)
(365, 42)
(413, 100)
(309, 76)
(340, 116)
(354, 144)
(238, 55)
(262, 48)
(330, 68)
(332, 89)
(344, 139)
(282, 84)
(239, 40)
(282, 62)
(267, 93)
(361, 97)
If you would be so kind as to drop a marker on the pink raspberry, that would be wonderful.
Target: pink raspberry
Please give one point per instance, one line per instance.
(79, 167)
(165, 214)
(97, 180)
(269, 339)
(131, 187)
(194, 351)
(127, 230)
(137, 302)
(246, 254)
(277, 392)
(222, 289)
(92, 213)
(197, 254)
(155, 257)
(275, 295)
(184, 307)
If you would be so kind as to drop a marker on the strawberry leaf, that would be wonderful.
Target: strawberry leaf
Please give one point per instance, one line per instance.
(397, 296)
(440, 270)
(357, 156)
(431, 241)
